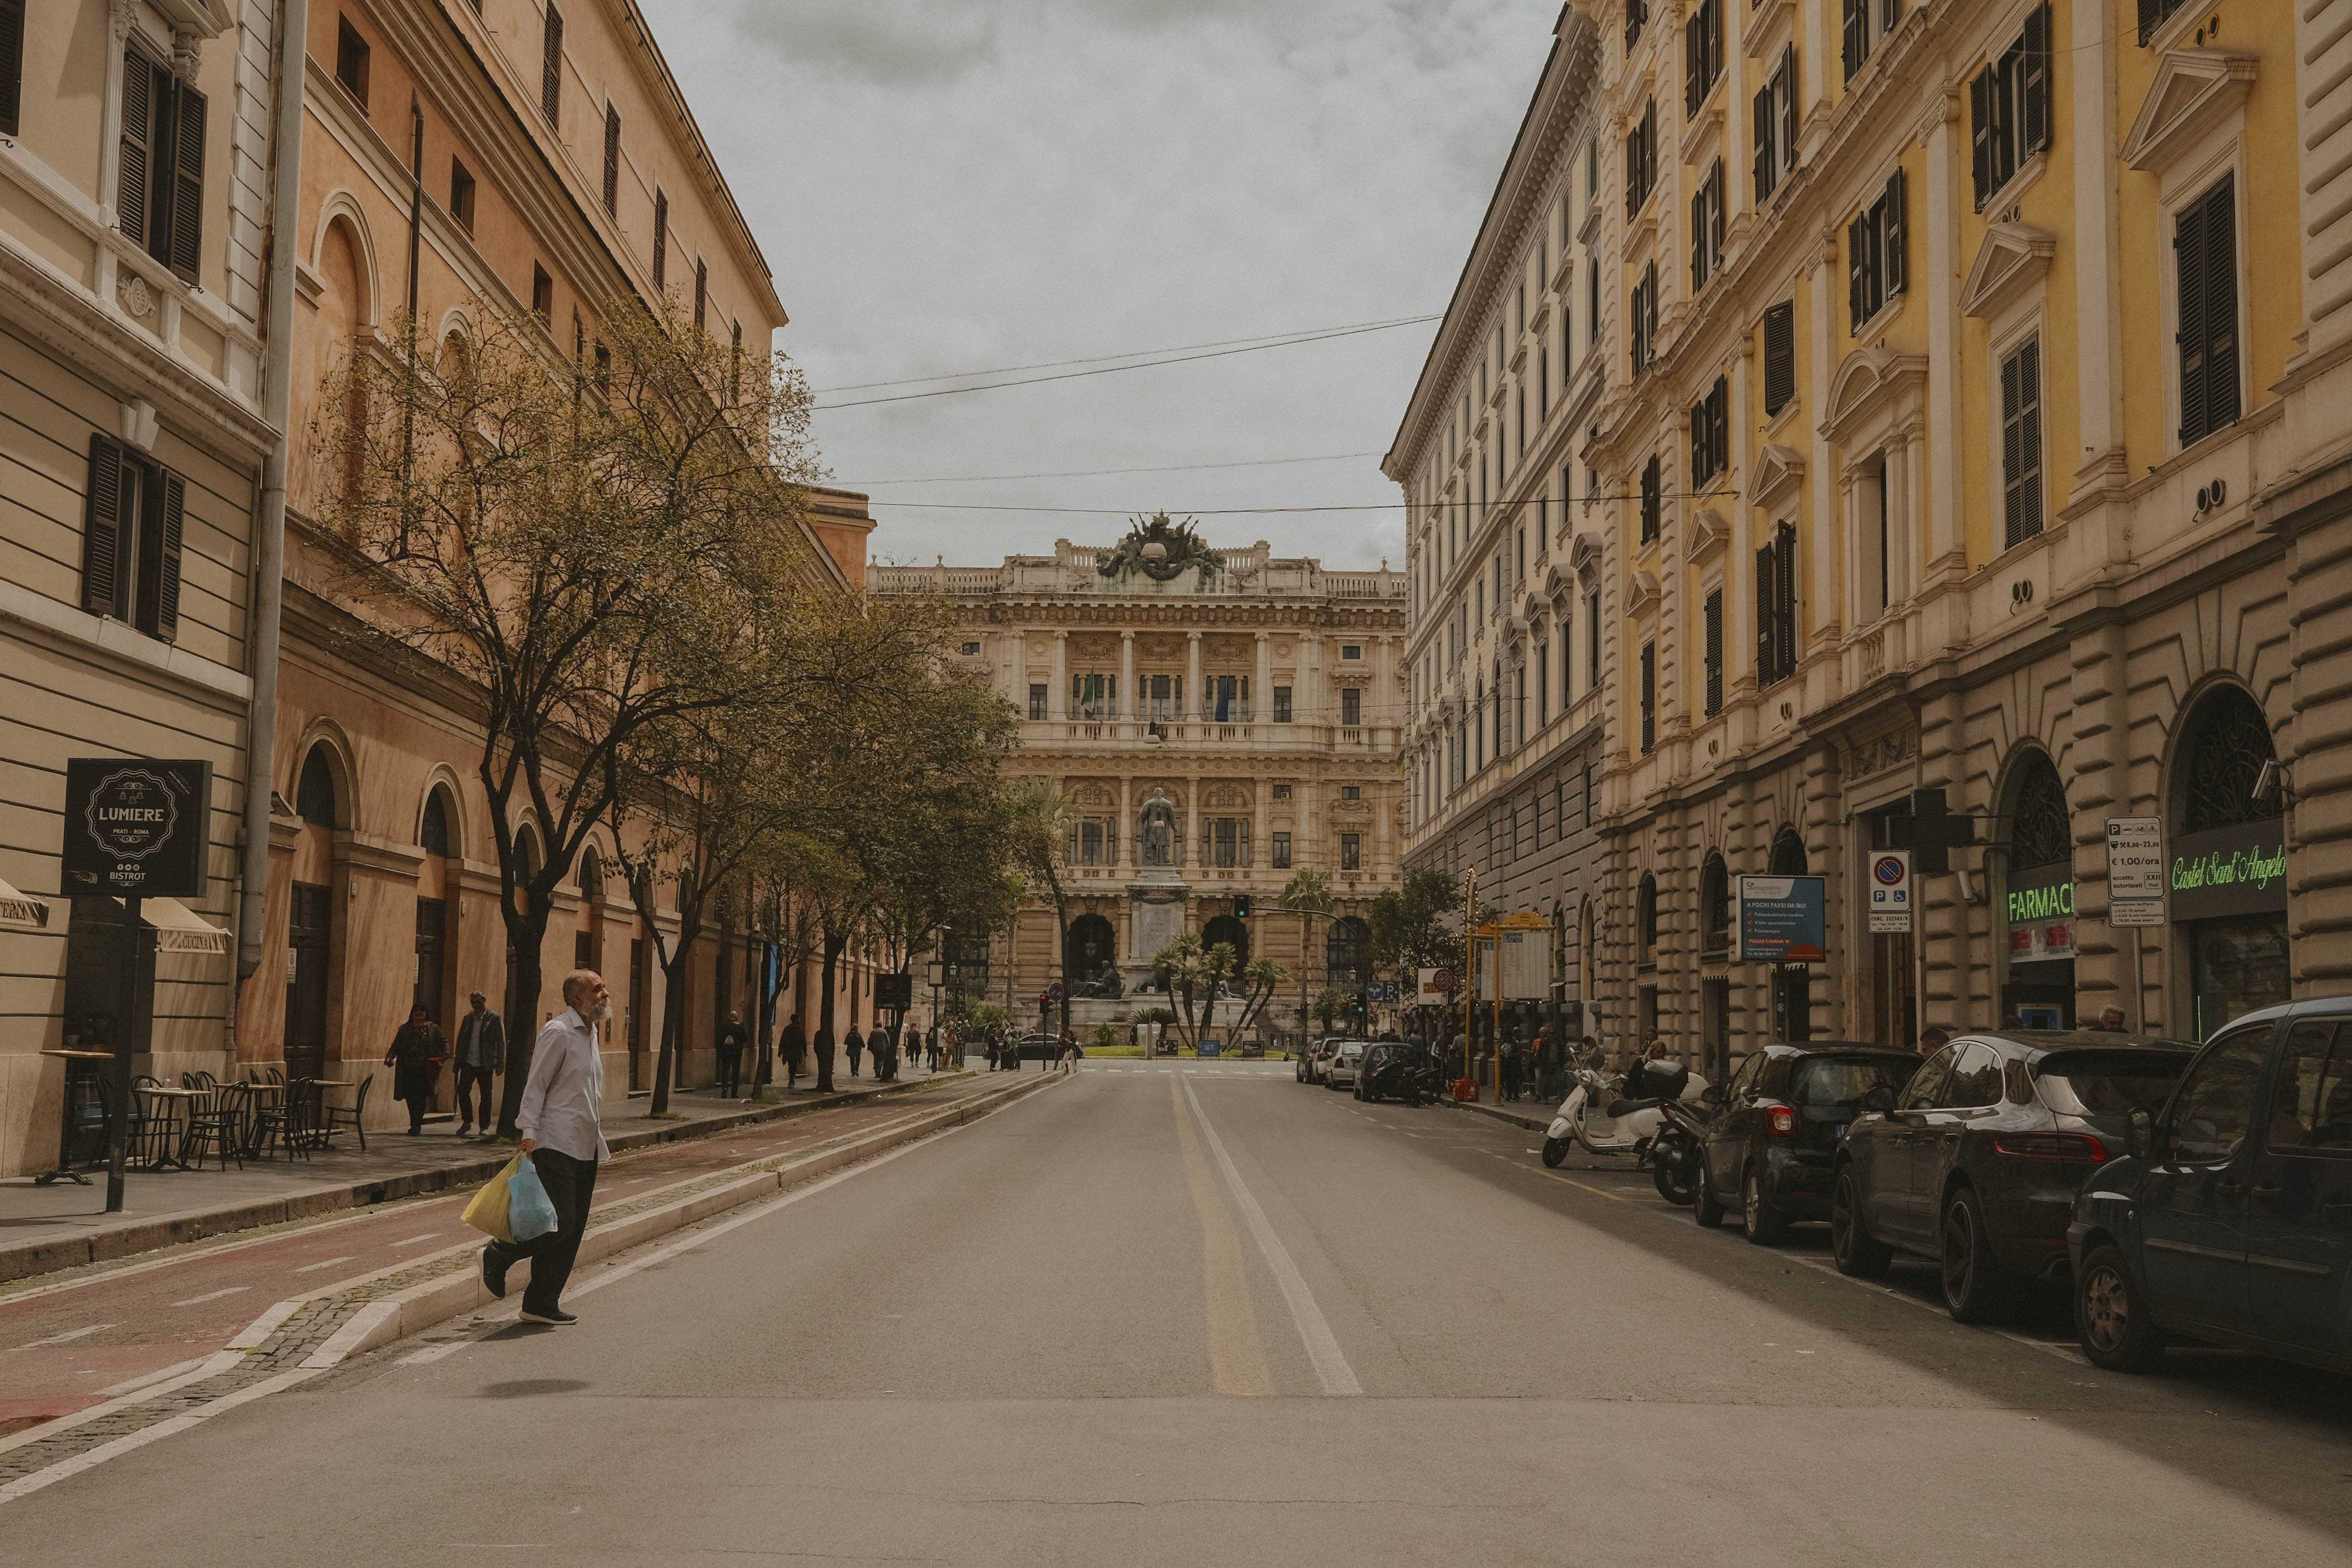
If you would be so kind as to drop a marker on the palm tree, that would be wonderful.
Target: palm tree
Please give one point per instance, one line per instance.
(1039, 814)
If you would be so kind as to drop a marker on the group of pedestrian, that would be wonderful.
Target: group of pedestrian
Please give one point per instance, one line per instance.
(419, 1048)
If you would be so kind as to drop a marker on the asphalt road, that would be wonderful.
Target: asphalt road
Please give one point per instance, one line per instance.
(1210, 1315)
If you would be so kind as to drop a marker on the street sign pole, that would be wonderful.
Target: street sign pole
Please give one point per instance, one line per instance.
(119, 1138)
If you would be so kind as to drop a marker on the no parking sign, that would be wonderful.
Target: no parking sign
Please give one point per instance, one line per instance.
(1890, 891)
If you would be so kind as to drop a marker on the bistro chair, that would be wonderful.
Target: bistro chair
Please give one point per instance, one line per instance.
(151, 1135)
(279, 1120)
(218, 1125)
(353, 1116)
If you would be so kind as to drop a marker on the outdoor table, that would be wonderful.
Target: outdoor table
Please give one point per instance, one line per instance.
(167, 1149)
(64, 1171)
(314, 1109)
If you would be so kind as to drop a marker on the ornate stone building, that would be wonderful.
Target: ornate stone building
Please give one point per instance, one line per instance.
(1218, 720)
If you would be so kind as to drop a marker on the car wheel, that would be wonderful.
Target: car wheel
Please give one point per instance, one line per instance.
(1973, 1284)
(1852, 1246)
(2111, 1317)
(1757, 1218)
(1703, 1208)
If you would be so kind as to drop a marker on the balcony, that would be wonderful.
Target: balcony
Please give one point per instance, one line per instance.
(1242, 730)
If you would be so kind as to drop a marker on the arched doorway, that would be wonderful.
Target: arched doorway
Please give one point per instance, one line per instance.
(1091, 952)
(1789, 858)
(1792, 983)
(436, 909)
(2036, 905)
(1234, 933)
(323, 806)
(2228, 865)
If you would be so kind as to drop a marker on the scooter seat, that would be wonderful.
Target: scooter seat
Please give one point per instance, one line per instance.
(1628, 1107)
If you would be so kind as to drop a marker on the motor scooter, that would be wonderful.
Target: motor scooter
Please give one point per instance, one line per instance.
(1605, 1118)
(1677, 1148)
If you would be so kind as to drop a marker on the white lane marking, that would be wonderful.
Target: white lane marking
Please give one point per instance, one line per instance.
(330, 1263)
(69, 1334)
(1332, 1368)
(29, 1484)
(131, 1385)
(213, 1296)
(413, 1240)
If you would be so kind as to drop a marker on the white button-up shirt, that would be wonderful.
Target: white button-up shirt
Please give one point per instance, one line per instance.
(566, 1087)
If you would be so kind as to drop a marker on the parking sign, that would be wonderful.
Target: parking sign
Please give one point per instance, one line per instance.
(1890, 891)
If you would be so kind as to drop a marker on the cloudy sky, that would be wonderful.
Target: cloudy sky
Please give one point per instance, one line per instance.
(954, 185)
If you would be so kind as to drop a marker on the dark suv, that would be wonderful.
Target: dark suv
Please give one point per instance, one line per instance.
(2231, 1221)
(1977, 1162)
(1769, 1154)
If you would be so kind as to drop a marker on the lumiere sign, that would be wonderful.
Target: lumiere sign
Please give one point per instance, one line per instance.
(136, 828)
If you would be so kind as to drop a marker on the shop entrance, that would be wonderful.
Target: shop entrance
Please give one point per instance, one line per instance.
(2228, 863)
(310, 938)
(2037, 901)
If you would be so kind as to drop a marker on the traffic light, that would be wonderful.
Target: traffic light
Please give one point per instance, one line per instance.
(1242, 906)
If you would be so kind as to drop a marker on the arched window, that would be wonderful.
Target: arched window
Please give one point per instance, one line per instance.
(1347, 953)
(434, 833)
(314, 792)
(1645, 918)
(1234, 933)
(1788, 854)
(592, 874)
(1090, 950)
(1714, 904)
(2229, 743)
(2041, 830)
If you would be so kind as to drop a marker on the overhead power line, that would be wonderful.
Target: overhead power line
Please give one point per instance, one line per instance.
(1097, 473)
(1115, 369)
(1257, 511)
(1106, 359)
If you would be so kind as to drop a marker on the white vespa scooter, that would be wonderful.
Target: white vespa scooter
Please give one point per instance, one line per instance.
(1605, 1119)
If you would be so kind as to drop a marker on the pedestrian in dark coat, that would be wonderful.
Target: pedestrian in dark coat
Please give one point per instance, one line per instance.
(793, 1046)
(732, 1037)
(879, 1045)
(855, 1044)
(415, 1058)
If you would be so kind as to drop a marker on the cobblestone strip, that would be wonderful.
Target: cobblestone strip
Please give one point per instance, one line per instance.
(316, 1320)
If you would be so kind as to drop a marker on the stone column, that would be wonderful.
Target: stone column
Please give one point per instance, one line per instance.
(1130, 704)
(1260, 818)
(1196, 699)
(1127, 826)
(1262, 695)
(1381, 709)
(1057, 695)
(1189, 854)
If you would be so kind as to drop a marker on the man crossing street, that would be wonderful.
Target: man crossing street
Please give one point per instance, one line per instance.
(559, 1120)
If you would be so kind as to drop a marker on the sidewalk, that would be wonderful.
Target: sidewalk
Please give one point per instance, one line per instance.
(43, 1229)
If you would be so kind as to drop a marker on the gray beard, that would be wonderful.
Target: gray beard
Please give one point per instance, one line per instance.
(603, 1013)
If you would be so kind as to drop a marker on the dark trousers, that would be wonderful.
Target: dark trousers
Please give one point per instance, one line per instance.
(854, 1051)
(468, 1079)
(731, 1070)
(570, 1184)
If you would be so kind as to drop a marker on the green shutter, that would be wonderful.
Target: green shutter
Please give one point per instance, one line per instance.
(102, 534)
(187, 182)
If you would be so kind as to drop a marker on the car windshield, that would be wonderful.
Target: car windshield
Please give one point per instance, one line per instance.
(1844, 1081)
(2108, 1083)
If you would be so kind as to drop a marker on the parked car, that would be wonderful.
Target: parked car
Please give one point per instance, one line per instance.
(1313, 1058)
(1345, 1062)
(1770, 1155)
(1976, 1162)
(2230, 1218)
(1390, 1070)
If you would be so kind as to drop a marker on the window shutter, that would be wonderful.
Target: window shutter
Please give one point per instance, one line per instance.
(167, 575)
(1980, 133)
(1715, 652)
(2189, 266)
(188, 182)
(1784, 544)
(1763, 164)
(2029, 436)
(1897, 232)
(1857, 34)
(1779, 357)
(1857, 255)
(1698, 240)
(1786, 88)
(138, 144)
(550, 73)
(1765, 599)
(1890, 17)
(612, 159)
(102, 533)
(12, 65)
(1715, 214)
(2220, 306)
(661, 239)
(2035, 87)
(2151, 13)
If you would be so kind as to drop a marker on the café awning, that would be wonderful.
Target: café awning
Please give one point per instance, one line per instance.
(22, 912)
(179, 929)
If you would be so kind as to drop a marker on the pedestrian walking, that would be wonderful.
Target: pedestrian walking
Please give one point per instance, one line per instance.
(879, 1046)
(481, 1056)
(1069, 1055)
(415, 1058)
(855, 1044)
(562, 1102)
(2111, 1019)
(793, 1047)
(732, 1038)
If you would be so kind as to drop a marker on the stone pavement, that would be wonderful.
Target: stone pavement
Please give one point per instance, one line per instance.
(43, 1229)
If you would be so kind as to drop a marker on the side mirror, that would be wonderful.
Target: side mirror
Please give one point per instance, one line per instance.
(2139, 1133)
(1879, 1099)
(1711, 1095)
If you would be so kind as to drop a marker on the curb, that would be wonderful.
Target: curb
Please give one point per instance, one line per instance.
(27, 1259)
(420, 1307)
(1497, 1113)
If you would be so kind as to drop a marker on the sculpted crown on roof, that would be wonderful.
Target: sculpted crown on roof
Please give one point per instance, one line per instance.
(1163, 549)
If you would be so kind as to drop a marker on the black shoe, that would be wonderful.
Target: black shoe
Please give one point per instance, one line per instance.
(494, 1275)
(556, 1319)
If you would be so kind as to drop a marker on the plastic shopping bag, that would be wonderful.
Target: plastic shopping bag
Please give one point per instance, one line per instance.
(529, 1211)
(489, 1211)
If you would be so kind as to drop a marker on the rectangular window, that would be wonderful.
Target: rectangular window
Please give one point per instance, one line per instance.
(461, 195)
(1351, 650)
(1702, 53)
(1653, 501)
(542, 295)
(1710, 434)
(1642, 323)
(613, 159)
(1649, 698)
(1707, 228)
(1282, 705)
(1282, 850)
(1867, 23)
(702, 293)
(132, 523)
(551, 68)
(1776, 125)
(1036, 700)
(1351, 852)
(12, 66)
(1779, 355)
(1542, 661)
(1351, 791)
(352, 60)
(1775, 607)
(1641, 158)
(2021, 441)
(970, 649)
(1352, 706)
(1282, 792)
(1873, 255)
(160, 197)
(661, 240)
(735, 365)
(1636, 13)
(1714, 652)
(2205, 256)
(1592, 640)
(2009, 108)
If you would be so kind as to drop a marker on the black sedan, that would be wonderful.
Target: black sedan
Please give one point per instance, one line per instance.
(1977, 1162)
(1771, 1153)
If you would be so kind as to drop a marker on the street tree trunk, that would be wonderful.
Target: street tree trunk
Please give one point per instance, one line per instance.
(834, 943)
